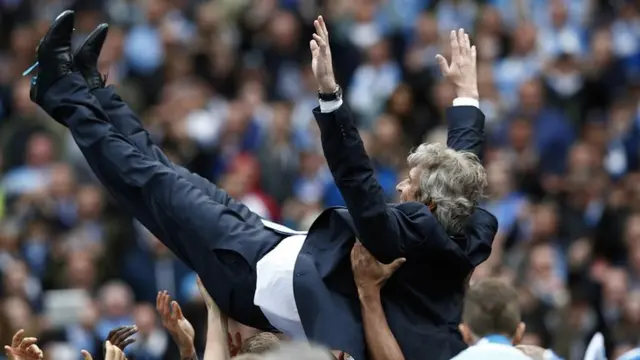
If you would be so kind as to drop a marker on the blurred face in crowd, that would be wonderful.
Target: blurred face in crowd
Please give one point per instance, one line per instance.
(444, 94)
(581, 158)
(615, 286)
(39, 150)
(541, 263)
(486, 84)
(559, 14)
(632, 308)
(21, 101)
(544, 222)
(499, 179)
(18, 313)
(401, 102)
(156, 9)
(364, 10)
(23, 41)
(601, 48)
(62, 181)
(145, 318)
(531, 97)
(427, 29)
(284, 30)
(388, 133)
(490, 20)
(520, 133)
(112, 48)
(379, 53)
(15, 278)
(81, 271)
(89, 315)
(252, 93)
(89, 203)
(524, 39)
(116, 300)
(237, 118)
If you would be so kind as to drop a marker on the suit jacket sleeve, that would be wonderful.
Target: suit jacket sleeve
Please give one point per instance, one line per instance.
(387, 232)
(465, 129)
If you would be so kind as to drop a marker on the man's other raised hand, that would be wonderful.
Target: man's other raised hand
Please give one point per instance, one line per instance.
(462, 71)
(321, 58)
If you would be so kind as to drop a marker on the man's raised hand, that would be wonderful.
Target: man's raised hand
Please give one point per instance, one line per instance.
(321, 58)
(462, 71)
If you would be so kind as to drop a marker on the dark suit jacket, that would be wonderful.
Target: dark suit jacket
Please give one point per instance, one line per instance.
(222, 240)
(423, 299)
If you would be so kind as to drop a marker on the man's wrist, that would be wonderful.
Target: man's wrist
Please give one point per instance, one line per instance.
(369, 293)
(188, 353)
(329, 88)
(471, 93)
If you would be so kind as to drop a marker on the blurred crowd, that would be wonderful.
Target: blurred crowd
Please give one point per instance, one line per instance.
(225, 88)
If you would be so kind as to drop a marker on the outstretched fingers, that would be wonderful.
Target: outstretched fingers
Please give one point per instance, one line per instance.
(455, 46)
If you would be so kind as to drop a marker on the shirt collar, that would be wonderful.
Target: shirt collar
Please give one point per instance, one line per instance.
(495, 339)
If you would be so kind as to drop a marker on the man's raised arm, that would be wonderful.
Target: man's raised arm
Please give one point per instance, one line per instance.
(386, 231)
(465, 120)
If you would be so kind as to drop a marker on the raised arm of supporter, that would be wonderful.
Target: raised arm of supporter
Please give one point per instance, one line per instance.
(465, 120)
(121, 337)
(370, 276)
(177, 325)
(23, 348)
(216, 347)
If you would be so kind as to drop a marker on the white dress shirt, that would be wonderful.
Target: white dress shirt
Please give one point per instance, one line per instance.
(275, 271)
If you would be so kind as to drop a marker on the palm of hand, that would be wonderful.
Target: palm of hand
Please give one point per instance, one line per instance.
(321, 65)
(321, 57)
(181, 329)
(462, 70)
(174, 321)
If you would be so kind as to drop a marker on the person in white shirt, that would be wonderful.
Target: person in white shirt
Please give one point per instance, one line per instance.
(491, 322)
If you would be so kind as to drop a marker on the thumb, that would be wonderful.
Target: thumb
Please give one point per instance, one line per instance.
(442, 62)
(86, 355)
(313, 45)
(395, 265)
(177, 311)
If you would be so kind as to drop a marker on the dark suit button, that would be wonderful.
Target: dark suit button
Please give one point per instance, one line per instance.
(298, 274)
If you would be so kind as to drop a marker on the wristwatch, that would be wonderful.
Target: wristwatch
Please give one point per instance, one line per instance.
(334, 96)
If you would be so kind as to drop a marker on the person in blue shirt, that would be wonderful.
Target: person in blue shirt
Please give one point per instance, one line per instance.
(491, 322)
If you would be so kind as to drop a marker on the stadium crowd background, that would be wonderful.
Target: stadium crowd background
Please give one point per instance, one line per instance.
(225, 86)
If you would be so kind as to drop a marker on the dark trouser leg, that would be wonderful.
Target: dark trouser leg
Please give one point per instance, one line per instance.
(128, 124)
(206, 235)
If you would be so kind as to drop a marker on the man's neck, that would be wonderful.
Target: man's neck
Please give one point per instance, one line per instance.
(494, 339)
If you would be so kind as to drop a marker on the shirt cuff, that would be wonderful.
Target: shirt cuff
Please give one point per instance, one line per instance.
(464, 101)
(330, 106)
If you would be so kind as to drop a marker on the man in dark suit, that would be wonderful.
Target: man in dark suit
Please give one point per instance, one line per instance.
(265, 275)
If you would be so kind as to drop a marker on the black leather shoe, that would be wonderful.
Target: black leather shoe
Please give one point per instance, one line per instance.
(53, 56)
(85, 59)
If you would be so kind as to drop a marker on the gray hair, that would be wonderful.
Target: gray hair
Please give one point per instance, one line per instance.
(453, 181)
(298, 351)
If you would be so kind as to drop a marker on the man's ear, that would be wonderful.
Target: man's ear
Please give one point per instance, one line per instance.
(517, 337)
(466, 334)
